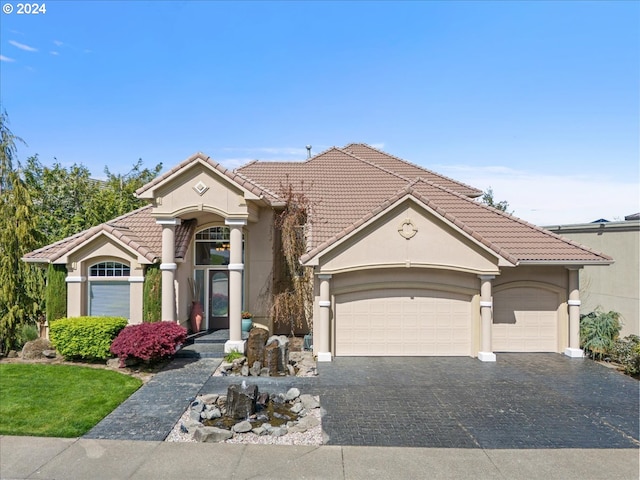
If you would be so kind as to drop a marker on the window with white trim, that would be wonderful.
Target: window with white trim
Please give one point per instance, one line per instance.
(109, 289)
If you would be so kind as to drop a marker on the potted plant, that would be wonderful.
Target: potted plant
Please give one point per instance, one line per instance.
(247, 322)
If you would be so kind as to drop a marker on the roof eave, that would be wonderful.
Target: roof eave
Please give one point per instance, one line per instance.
(575, 263)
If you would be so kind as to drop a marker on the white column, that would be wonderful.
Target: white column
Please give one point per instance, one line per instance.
(236, 266)
(486, 315)
(168, 267)
(574, 350)
(323, 328)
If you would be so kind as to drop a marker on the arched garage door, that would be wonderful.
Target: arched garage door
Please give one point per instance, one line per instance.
(402, 323)
(525, 319)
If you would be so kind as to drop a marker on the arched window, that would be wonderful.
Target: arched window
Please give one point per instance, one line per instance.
(109, 269)
(212, 246)
(109, 289)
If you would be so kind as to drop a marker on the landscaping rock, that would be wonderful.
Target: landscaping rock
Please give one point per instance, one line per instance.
(292, 394)
(256, 344)
(309, 402)
(210, 413)
(242, 427)
(210, 398)
(244, 371)
(49, 353)
(34, 349)
(264, 372)
(297, 408)
(272, 358)
(241, 400)
(211, 434)
(255, 369)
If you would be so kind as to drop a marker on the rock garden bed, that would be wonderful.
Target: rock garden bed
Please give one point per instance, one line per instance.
(247, 416)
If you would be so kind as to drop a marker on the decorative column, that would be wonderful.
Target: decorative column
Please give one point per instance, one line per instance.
(323, 329)
(168, 267)
(236, 267)
(75, 296)
(574, 350)
(486, 315)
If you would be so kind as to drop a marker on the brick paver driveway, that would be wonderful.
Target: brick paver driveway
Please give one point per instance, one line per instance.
(521, 401)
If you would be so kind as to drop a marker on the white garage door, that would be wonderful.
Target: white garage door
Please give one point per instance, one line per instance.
(525, 320)
(402, 323)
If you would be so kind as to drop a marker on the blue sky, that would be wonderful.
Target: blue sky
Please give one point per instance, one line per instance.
(539, 100)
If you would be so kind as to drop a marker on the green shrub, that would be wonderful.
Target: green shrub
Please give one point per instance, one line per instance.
(56, 292)
(26, 333)
(152, 303)
(85, 337)
(232, 355)
(598, 332)
(626, 352)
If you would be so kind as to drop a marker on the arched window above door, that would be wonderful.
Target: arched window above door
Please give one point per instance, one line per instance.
(212, 246)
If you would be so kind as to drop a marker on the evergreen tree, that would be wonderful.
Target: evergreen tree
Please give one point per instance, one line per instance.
(21, 283)
(56, 292)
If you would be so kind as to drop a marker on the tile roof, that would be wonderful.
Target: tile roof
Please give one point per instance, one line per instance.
(346, 187)
(407, 169)
(346, 190)
(242, 182)
(138, 230)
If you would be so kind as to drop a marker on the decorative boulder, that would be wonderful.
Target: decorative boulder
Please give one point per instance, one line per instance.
(35, 349)
(256, 345)
(241, 400)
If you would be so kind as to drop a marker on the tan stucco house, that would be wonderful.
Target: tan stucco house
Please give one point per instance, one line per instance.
(615, 288)
(405, 261)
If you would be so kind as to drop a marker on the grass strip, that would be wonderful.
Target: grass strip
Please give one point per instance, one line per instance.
(58, 400)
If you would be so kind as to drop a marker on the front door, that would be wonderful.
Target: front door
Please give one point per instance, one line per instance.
(218, 299)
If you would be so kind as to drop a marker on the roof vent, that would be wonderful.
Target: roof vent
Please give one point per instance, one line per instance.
(308, 151)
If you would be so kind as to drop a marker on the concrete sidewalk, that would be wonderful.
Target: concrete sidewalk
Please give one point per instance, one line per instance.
(56, 458)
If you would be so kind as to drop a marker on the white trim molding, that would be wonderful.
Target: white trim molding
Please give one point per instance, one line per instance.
(136, 279)
(235, 222)
(324, 276)
(168, 221)
(168, 266)
(324, 303)
(236, 267)
(75, 279)
(486, 356)
(486, 303)
(324, 356)
(486, 277)
(574, 303)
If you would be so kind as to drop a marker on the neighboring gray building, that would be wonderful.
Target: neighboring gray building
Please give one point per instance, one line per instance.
(617, 287)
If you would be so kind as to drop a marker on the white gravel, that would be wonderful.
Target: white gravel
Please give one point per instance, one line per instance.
(312, 436)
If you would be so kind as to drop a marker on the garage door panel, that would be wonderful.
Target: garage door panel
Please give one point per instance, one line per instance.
(378, 323)
(525, 319)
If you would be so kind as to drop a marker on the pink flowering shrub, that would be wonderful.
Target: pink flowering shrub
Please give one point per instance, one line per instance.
(148, 341)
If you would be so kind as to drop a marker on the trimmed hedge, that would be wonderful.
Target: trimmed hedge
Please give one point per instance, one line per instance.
(88, 338)
(148, 341)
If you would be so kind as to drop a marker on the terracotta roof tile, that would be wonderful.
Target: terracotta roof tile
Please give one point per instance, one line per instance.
(408, 169)
(137, 229)
(346, 188)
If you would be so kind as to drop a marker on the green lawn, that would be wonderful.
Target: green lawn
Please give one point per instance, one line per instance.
(58, 400)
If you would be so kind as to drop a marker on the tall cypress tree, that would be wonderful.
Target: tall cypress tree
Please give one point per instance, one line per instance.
(21, 284)
(56, 292)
